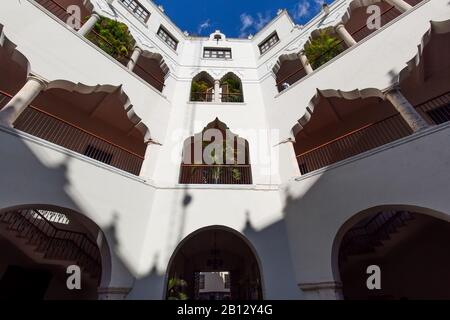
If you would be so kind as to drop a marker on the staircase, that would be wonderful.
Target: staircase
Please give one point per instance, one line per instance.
(44, 242)
(378, 235)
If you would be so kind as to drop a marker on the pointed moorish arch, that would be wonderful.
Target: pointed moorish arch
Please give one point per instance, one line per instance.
(230, 242)
(55, 226)
(226, 92)
(202, 165)
(14, 68)
(369, 238)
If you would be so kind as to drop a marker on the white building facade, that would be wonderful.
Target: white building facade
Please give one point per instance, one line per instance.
(346, 160)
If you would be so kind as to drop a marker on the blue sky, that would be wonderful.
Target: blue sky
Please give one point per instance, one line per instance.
(235, 18)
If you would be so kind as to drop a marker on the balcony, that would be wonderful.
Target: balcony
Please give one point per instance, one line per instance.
(225, 160)
(370, 136)
(216, 174)
(113, 38)
(65, 129)
(319, 51)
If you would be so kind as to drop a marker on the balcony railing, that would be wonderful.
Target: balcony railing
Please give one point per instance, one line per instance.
(361, 33)
(386, 16)
(202, 96)
(46, 126)
(232, 97)
(60, 12)
(56, 9)
(436, 111)
(216, 174)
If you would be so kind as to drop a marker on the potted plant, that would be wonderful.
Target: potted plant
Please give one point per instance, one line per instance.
(323, 48)
(114, 38)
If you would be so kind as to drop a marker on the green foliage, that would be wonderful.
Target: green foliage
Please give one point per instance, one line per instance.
(113, 37)
(175, 289)
(234, 89)
(323, 48)
(199, 86)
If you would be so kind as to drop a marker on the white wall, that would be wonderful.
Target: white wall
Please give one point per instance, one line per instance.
(412, 172)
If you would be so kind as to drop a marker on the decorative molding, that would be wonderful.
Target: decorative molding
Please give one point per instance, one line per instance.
(102, 7)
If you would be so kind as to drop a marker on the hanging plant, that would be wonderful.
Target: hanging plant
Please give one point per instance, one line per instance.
(323, 48)
(114, 38)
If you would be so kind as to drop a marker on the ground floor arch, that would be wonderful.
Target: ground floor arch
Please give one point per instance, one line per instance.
(214, 263)
(39, 243)
(408, 244)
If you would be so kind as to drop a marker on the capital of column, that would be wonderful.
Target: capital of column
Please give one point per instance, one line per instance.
(43, 83)
(345, 35)
(395, 96)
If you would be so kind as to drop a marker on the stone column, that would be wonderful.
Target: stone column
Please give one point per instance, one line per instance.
(305, 63)
(400, 5)
(89, 25)
(134, 58)
(217, 96)
(113, 293)
(406, 110)
(12, 110)
(322, 291)
(345, 35)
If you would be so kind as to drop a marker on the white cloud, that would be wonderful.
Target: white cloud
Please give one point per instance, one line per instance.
(251, 24)
(305, 9)
(204, 25)
(302, 9)
(247, 22)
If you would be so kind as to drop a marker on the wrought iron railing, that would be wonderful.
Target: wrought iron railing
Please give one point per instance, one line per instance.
(388, 15)
(202, 96)
(373, 135)
(363, 238)
(44, 125)
(54, 242)
(232, 97)
(353, 143)
(60, 11)
(215, 174)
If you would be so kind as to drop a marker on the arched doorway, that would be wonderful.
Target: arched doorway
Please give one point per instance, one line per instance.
(38, 244)
(214, 263)
(409, 245)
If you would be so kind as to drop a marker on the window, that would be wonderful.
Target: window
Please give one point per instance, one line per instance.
(137, 9)
(167, 38)
(217, 53)
(269, 43)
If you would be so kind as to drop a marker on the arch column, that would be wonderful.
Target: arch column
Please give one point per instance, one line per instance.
(345, 35)
(305, 63)
(13, 109)
(217, 97)
(134, 58)
(89, 24)
(400, 5)
(406, 110)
